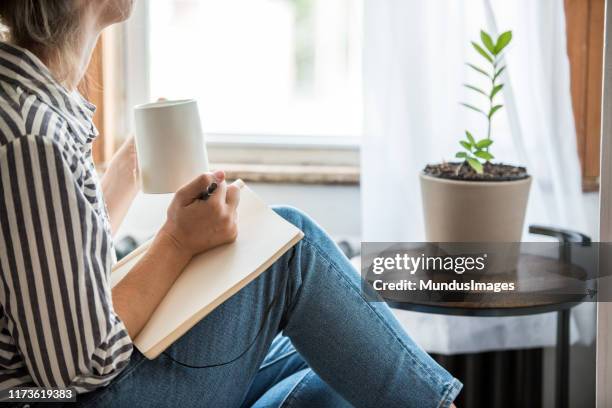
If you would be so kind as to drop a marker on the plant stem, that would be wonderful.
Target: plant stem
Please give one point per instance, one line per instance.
(489, 125)
(459, 168)
(491, 103)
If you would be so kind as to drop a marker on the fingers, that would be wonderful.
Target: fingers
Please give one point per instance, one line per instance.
(219, 175)
(232, 197)
(193, 190)
(218, 197)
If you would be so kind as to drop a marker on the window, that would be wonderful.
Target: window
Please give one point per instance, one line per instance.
(261, 69)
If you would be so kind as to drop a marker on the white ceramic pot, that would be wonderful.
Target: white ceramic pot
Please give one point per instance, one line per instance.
(474, 211)
(491, 214)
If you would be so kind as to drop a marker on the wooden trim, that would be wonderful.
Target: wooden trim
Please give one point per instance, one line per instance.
(592, 155)
(92, 87)
(590, 184)
(585, 31)
(264, 173)
(577, 16)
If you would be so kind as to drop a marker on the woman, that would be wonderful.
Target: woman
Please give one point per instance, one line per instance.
(61, 325)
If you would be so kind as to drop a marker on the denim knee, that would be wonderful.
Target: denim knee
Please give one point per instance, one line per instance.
(296, 217)
(314, 235)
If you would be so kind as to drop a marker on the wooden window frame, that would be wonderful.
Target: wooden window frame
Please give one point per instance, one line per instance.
(92, 87)
(585, 23)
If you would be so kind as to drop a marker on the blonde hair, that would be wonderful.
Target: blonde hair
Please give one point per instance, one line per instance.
(45, 27)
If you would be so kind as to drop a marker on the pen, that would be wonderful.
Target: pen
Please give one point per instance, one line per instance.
(209, 190)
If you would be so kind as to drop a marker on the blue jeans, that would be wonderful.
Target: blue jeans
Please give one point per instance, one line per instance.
(337, 349)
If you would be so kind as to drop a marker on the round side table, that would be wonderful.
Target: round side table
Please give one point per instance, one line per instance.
(545, 273)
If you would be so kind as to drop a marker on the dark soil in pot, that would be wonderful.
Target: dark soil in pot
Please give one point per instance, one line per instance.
(463, 171)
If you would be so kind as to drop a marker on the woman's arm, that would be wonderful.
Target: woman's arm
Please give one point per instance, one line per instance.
(138, 294)
(192, 226)
(120, 183)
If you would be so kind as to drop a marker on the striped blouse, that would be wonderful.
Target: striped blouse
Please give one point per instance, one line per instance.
(57, 323)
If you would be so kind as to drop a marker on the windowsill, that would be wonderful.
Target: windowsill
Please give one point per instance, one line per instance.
(288, 160)
(291, 174)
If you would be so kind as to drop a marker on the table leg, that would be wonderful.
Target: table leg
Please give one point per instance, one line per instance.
(563, 354)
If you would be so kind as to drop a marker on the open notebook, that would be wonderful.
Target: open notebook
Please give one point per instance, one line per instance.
(214, 276)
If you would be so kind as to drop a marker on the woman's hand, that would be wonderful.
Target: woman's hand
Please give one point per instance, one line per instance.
(120, 182)
(195, 225)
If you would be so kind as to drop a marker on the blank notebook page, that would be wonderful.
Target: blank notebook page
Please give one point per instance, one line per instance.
(214, 276)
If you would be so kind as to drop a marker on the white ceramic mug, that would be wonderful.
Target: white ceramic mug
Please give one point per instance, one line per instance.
(170, 144)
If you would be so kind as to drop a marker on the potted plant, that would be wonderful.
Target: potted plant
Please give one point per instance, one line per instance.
(475, 199)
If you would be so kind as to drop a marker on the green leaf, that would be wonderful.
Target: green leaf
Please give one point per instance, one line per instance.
(503, 41)
(482, 52)
(496, 90)
(480, 70)
(475, 164)
(467, 105)
(484, 155)
(484, 143)
(461, 155)
(466, 145)
(470, 138)
(494, 110)
(473, 88)
(498, 73)
(488, 42)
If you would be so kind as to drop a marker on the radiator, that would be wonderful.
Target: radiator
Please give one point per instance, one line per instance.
(497, 379)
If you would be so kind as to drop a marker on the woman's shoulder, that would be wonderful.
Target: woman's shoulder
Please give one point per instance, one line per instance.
(26, 116)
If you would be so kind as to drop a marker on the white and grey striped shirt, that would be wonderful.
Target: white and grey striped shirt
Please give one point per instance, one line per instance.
(57, 323)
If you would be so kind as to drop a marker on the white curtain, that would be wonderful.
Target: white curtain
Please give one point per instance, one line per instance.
(414, 67)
